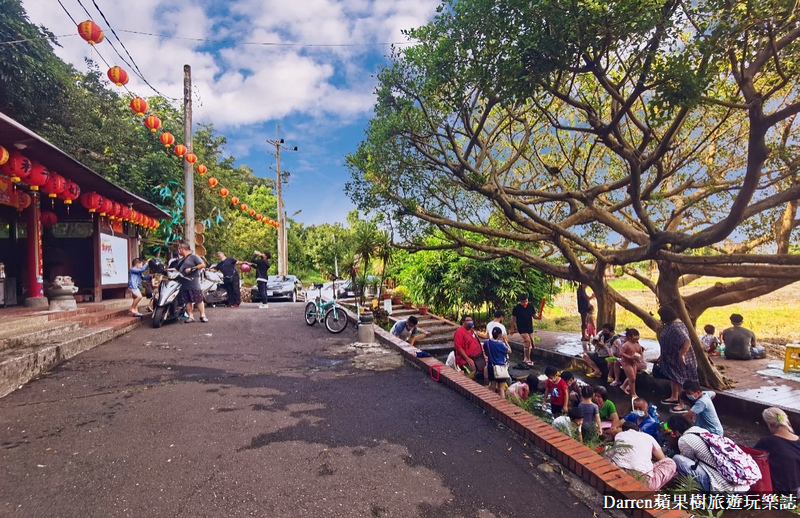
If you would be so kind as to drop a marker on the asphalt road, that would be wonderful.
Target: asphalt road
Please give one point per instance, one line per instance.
(258, 414)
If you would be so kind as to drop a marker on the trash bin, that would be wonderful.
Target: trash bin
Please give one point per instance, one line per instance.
(762, 460)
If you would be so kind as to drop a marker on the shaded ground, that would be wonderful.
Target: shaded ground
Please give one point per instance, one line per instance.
(258, 414)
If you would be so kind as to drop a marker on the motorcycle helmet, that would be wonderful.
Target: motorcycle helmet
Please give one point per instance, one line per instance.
(155, 265)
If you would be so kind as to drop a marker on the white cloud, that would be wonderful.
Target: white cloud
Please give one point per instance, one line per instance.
(317, 88)
(247, 84)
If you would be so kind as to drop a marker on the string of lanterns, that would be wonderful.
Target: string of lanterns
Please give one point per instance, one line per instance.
(93, 34)
(20, 169)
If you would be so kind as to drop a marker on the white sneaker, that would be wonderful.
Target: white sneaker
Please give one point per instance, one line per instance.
(263, 306)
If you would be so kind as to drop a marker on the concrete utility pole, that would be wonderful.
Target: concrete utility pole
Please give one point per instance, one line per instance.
(282, 255)
(188, 169)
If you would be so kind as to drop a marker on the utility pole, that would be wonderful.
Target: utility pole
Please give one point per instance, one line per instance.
(282, 255)
(188, 169)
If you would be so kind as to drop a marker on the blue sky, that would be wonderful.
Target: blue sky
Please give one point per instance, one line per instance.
(308, 66)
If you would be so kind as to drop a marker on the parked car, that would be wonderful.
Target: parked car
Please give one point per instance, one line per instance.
(345, 287)
(281, 287)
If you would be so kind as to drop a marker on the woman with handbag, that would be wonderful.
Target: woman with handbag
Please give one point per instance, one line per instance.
(497, 352)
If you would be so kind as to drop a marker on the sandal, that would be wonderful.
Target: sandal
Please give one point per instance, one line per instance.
(677, 410)
(669, 402)
(615, 383)
(594, 375)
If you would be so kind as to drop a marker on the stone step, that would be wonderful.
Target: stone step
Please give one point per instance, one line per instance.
(42, 334)
(436, 328)
(434, 339)
(436, 348)
(20, 365)
(23, 324)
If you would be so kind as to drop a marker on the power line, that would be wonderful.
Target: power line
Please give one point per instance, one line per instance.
(132, 64)
(38, 38)
(267, 43)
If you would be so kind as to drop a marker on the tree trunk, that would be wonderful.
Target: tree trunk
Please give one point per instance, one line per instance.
(605, 304)
(668, 295)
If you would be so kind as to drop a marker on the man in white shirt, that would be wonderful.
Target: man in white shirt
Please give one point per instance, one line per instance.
(638, 456)
(499, 315)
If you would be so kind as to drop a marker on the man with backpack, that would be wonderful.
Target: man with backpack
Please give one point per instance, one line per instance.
(715, 462)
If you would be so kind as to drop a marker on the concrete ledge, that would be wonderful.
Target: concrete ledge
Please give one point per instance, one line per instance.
(19, 366)
(585, 463)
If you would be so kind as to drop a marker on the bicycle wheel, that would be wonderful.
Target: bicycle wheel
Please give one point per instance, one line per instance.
(336, 319)
(311, 313)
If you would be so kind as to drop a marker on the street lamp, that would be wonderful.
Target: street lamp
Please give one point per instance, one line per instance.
(279, 144)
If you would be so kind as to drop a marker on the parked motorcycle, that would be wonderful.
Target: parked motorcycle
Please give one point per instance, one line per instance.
(214, 292)
(166, 305)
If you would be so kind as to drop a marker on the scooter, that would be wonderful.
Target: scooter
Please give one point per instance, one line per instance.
(167, 305)
(213, 288)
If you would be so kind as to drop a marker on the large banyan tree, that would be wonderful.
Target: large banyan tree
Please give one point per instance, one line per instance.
(580, 135)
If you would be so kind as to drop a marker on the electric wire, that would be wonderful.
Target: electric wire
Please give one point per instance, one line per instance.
(135, 65)
(267, 43)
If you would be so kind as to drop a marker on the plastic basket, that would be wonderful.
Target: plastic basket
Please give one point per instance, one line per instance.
(762, 460)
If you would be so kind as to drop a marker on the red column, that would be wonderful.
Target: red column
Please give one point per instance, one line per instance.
(35, 268)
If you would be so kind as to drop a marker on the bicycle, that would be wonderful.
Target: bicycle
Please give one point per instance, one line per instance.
(334, 315)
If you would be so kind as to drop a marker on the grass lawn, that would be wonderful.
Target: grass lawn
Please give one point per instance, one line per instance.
(773, 321)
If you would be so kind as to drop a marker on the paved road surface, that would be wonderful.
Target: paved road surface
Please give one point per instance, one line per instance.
(257, 414)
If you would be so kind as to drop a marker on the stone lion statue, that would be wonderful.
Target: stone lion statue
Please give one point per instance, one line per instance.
(65, 281)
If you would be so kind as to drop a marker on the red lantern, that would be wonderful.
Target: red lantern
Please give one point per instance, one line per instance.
(259, 217)
(234, 200)
(201, 169)
(17, 167)
(23, 200)
(117, 76)
(38, 177)
(4, 155)
(49, 218)
(243, 206)
(92, 201)
(54, 185)
(152, 122)
(213, 182)
(139, 106)
(90, 32)
(70, 192)
(156, 223)
(167, 139)
(116, 210)
(223, 192)
(106, 206)
(277, 224)
(180, 150)
(252, 212)
(126, 213)
(191, 158)
(134, 215)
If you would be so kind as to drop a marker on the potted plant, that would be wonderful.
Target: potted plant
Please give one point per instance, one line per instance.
(400, 294)
(423, 309)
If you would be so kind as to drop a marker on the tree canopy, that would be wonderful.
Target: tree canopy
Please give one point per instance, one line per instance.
(577, 136)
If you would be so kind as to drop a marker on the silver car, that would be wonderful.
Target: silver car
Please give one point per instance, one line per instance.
(281, 287)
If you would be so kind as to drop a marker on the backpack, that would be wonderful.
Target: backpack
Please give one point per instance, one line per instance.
(735, 466)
